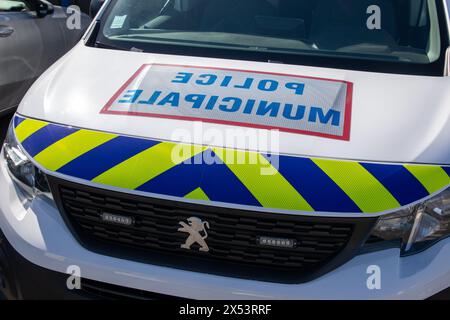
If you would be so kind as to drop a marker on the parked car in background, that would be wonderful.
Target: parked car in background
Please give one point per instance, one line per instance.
(83, 4)
(33, 35)
(235, 149)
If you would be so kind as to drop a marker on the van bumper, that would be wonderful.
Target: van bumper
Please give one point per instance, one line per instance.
(21, 279)
(37, 250)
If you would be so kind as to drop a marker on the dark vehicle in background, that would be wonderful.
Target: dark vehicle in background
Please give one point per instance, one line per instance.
(83, 4)
(33, 35)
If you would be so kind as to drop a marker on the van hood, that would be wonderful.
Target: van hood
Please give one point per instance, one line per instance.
(316, 112)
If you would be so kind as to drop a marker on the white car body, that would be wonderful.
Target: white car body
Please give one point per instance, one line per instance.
(396, 118)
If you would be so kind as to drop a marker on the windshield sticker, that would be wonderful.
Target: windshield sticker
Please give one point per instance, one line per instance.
(118, 22)
(290, 103)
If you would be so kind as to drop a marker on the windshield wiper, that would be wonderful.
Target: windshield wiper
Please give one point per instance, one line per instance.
(93, 42)
(92, 37)
(103, 45)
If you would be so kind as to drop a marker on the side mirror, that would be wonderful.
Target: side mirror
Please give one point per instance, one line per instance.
(95, 7)
(43, 8)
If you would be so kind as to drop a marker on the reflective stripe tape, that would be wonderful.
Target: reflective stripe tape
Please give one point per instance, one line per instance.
(447, 170)
(399, 181)
(197, 172)
(18, 120)
(235, 178)
(197, 194)
(147, 165)
(366, 191)
(71, 147)
(45, 137)
(28, 127)
(104, 157)
(433, 178)
(319, 190)
(266, 184)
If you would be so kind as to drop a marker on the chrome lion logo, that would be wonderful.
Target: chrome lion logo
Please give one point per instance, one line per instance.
(195, 228)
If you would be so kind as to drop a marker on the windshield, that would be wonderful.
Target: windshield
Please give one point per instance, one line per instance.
(392, 31)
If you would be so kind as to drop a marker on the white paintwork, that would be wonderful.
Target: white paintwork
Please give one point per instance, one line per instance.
(395, 118)
(40, 235)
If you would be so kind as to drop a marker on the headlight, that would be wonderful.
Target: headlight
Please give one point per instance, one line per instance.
(418, 227)
(28, 178)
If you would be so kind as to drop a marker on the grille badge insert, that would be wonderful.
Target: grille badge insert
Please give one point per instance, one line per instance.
(117, 219)
(196, 230)
(276, 242)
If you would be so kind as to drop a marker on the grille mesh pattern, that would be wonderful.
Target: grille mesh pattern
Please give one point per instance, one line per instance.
(232, 236)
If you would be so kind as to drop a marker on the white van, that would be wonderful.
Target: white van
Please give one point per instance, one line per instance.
(228, 149)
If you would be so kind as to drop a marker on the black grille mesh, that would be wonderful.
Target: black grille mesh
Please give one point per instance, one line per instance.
(232, 236)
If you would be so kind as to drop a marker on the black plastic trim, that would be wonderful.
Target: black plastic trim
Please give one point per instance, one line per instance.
(362, 228)
(27, 281)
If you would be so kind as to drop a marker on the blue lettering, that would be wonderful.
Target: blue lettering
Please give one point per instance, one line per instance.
(287, 113)
(183, 77)
(299, 88)
(211, 102)
(265, 107)
(249, 106)
(246, 85)
(152, 98)
(333, 115)
(209, 79)
(196, 99)
(235, 106)
(172, 98)
(131, 96)
(268, 85)
(226, 81)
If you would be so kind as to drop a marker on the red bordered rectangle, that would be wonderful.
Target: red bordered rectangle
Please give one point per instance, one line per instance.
(348, 104)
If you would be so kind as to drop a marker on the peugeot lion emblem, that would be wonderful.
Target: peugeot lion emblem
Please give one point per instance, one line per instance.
(195, 228)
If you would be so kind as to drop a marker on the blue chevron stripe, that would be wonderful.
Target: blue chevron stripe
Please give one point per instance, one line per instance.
(95, 162)
(447, 170)
(178, 181)
(45, 137)
(18, 120)
(322, 193)
(220, 184)
(399, 181)
(217, 181)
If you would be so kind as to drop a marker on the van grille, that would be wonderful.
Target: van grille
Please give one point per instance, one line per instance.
(232, 237)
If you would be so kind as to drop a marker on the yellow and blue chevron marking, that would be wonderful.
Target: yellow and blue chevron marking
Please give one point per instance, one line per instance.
(301, 184)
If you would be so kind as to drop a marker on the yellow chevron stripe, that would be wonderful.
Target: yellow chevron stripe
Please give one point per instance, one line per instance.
(433, 178)
(197, 194)
(263, 181)
(27, 127)
(71, 147)
(148, 164)
(363, 188)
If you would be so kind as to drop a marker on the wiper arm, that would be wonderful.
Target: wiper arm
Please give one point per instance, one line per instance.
(103, 45)
(92, 37)
(93, 42)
